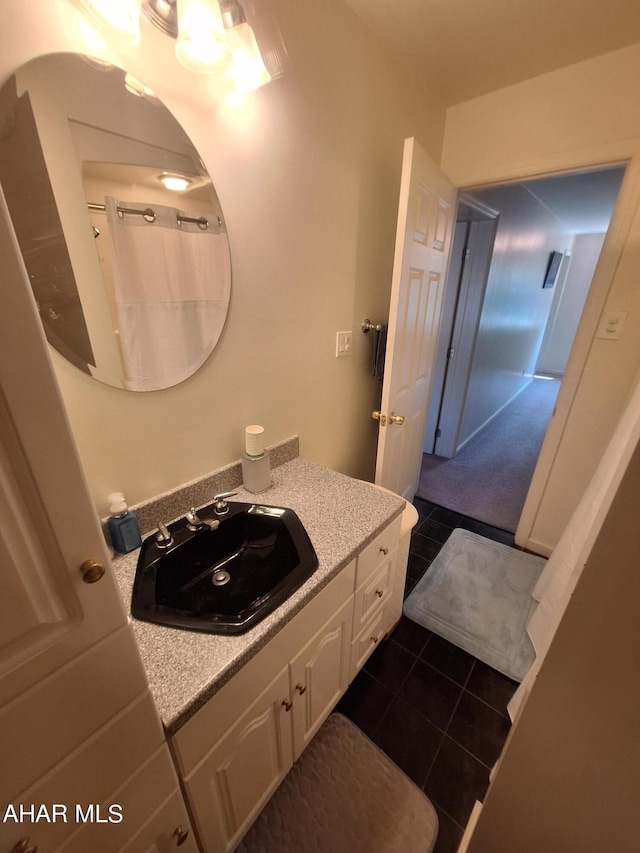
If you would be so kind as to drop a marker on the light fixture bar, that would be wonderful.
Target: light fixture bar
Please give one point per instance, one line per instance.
(163, 14)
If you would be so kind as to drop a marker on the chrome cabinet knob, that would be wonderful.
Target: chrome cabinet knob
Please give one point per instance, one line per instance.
(91, 572)
(287, 704)
(301, 689)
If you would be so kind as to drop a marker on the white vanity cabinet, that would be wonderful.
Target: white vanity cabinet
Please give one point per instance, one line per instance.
(319, 675)
(230, 785)
(378, 574)
(234, 752)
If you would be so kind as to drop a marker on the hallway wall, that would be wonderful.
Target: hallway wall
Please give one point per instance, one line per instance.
(516, 306)
(568, 304)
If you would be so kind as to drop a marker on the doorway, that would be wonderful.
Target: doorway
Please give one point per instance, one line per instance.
(521, 328)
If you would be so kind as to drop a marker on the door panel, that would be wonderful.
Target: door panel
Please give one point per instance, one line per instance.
(423, 240)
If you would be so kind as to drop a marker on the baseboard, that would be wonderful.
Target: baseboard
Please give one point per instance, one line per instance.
(471, 825)
(537, 547)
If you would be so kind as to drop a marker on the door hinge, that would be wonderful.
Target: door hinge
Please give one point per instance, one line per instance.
(466, 254)
(438, 433)
(450, 352)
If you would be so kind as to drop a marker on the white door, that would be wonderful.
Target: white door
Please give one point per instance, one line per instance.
(426, 217)
(49, 528)
(77, 721)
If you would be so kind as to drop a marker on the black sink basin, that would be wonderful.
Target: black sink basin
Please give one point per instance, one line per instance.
(227, 579)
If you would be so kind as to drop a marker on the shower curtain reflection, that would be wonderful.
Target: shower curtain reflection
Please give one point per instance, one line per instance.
(171, 288)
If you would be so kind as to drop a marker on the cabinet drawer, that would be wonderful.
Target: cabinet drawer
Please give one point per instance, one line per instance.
(376, 551)
(373, 594)
(366, 641)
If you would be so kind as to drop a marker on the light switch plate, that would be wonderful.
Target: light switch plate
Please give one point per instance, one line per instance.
(343, 343)
(611, 325)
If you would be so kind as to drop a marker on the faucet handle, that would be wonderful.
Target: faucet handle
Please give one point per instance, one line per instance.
(192, 519)
(163, 538)
(220, 504)
(194, 522)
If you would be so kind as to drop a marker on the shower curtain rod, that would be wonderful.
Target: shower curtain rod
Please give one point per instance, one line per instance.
(150, 216)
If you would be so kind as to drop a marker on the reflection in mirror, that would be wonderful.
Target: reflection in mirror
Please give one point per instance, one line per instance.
(131, 277)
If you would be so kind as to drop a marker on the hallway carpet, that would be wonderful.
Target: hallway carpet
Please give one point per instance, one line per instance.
(489, 479)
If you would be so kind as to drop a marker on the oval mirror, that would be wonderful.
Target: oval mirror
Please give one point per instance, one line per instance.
(118, 222)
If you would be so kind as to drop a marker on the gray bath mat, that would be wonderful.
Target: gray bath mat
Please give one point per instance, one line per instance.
(344, 795)
(477, 595)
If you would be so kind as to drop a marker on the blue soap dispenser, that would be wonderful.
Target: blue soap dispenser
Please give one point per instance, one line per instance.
(122, 525)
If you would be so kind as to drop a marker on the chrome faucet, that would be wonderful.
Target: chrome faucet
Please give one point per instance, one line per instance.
(221, 507)
(194, 522)
(164, 539)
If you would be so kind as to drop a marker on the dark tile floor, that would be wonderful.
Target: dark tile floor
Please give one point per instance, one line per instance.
(436, 711)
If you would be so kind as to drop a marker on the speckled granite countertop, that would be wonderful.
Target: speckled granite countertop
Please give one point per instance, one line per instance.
(341, 516)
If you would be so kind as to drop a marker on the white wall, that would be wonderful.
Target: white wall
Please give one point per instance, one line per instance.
(568, 778)
(308, 176)
(516, 306)
(582, 115)
(568, 304)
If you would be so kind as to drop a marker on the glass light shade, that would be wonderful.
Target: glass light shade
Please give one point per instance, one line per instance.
(177, 183)
(201, 44)
(123, 16)
(248, 70)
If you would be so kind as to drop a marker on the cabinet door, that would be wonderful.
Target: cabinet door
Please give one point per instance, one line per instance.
(320, 675)
(233, 782)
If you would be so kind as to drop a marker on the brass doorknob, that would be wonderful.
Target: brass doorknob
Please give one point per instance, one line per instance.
(181, 835)
(92, 571)
(378, 416)
(396, 419)
(23, 846)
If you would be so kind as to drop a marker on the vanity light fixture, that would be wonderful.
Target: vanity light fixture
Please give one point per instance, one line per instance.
(201, 44)
(248, 70)
(123, 16)
(211, 37)
(177, 183)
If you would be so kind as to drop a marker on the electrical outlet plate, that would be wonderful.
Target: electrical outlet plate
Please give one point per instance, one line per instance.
(343, 343)
(611, 325)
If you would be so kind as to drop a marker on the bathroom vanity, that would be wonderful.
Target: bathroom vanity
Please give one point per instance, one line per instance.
(239, 710)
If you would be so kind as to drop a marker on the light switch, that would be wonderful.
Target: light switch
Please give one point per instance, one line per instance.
(343, 343)
(611, 325)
